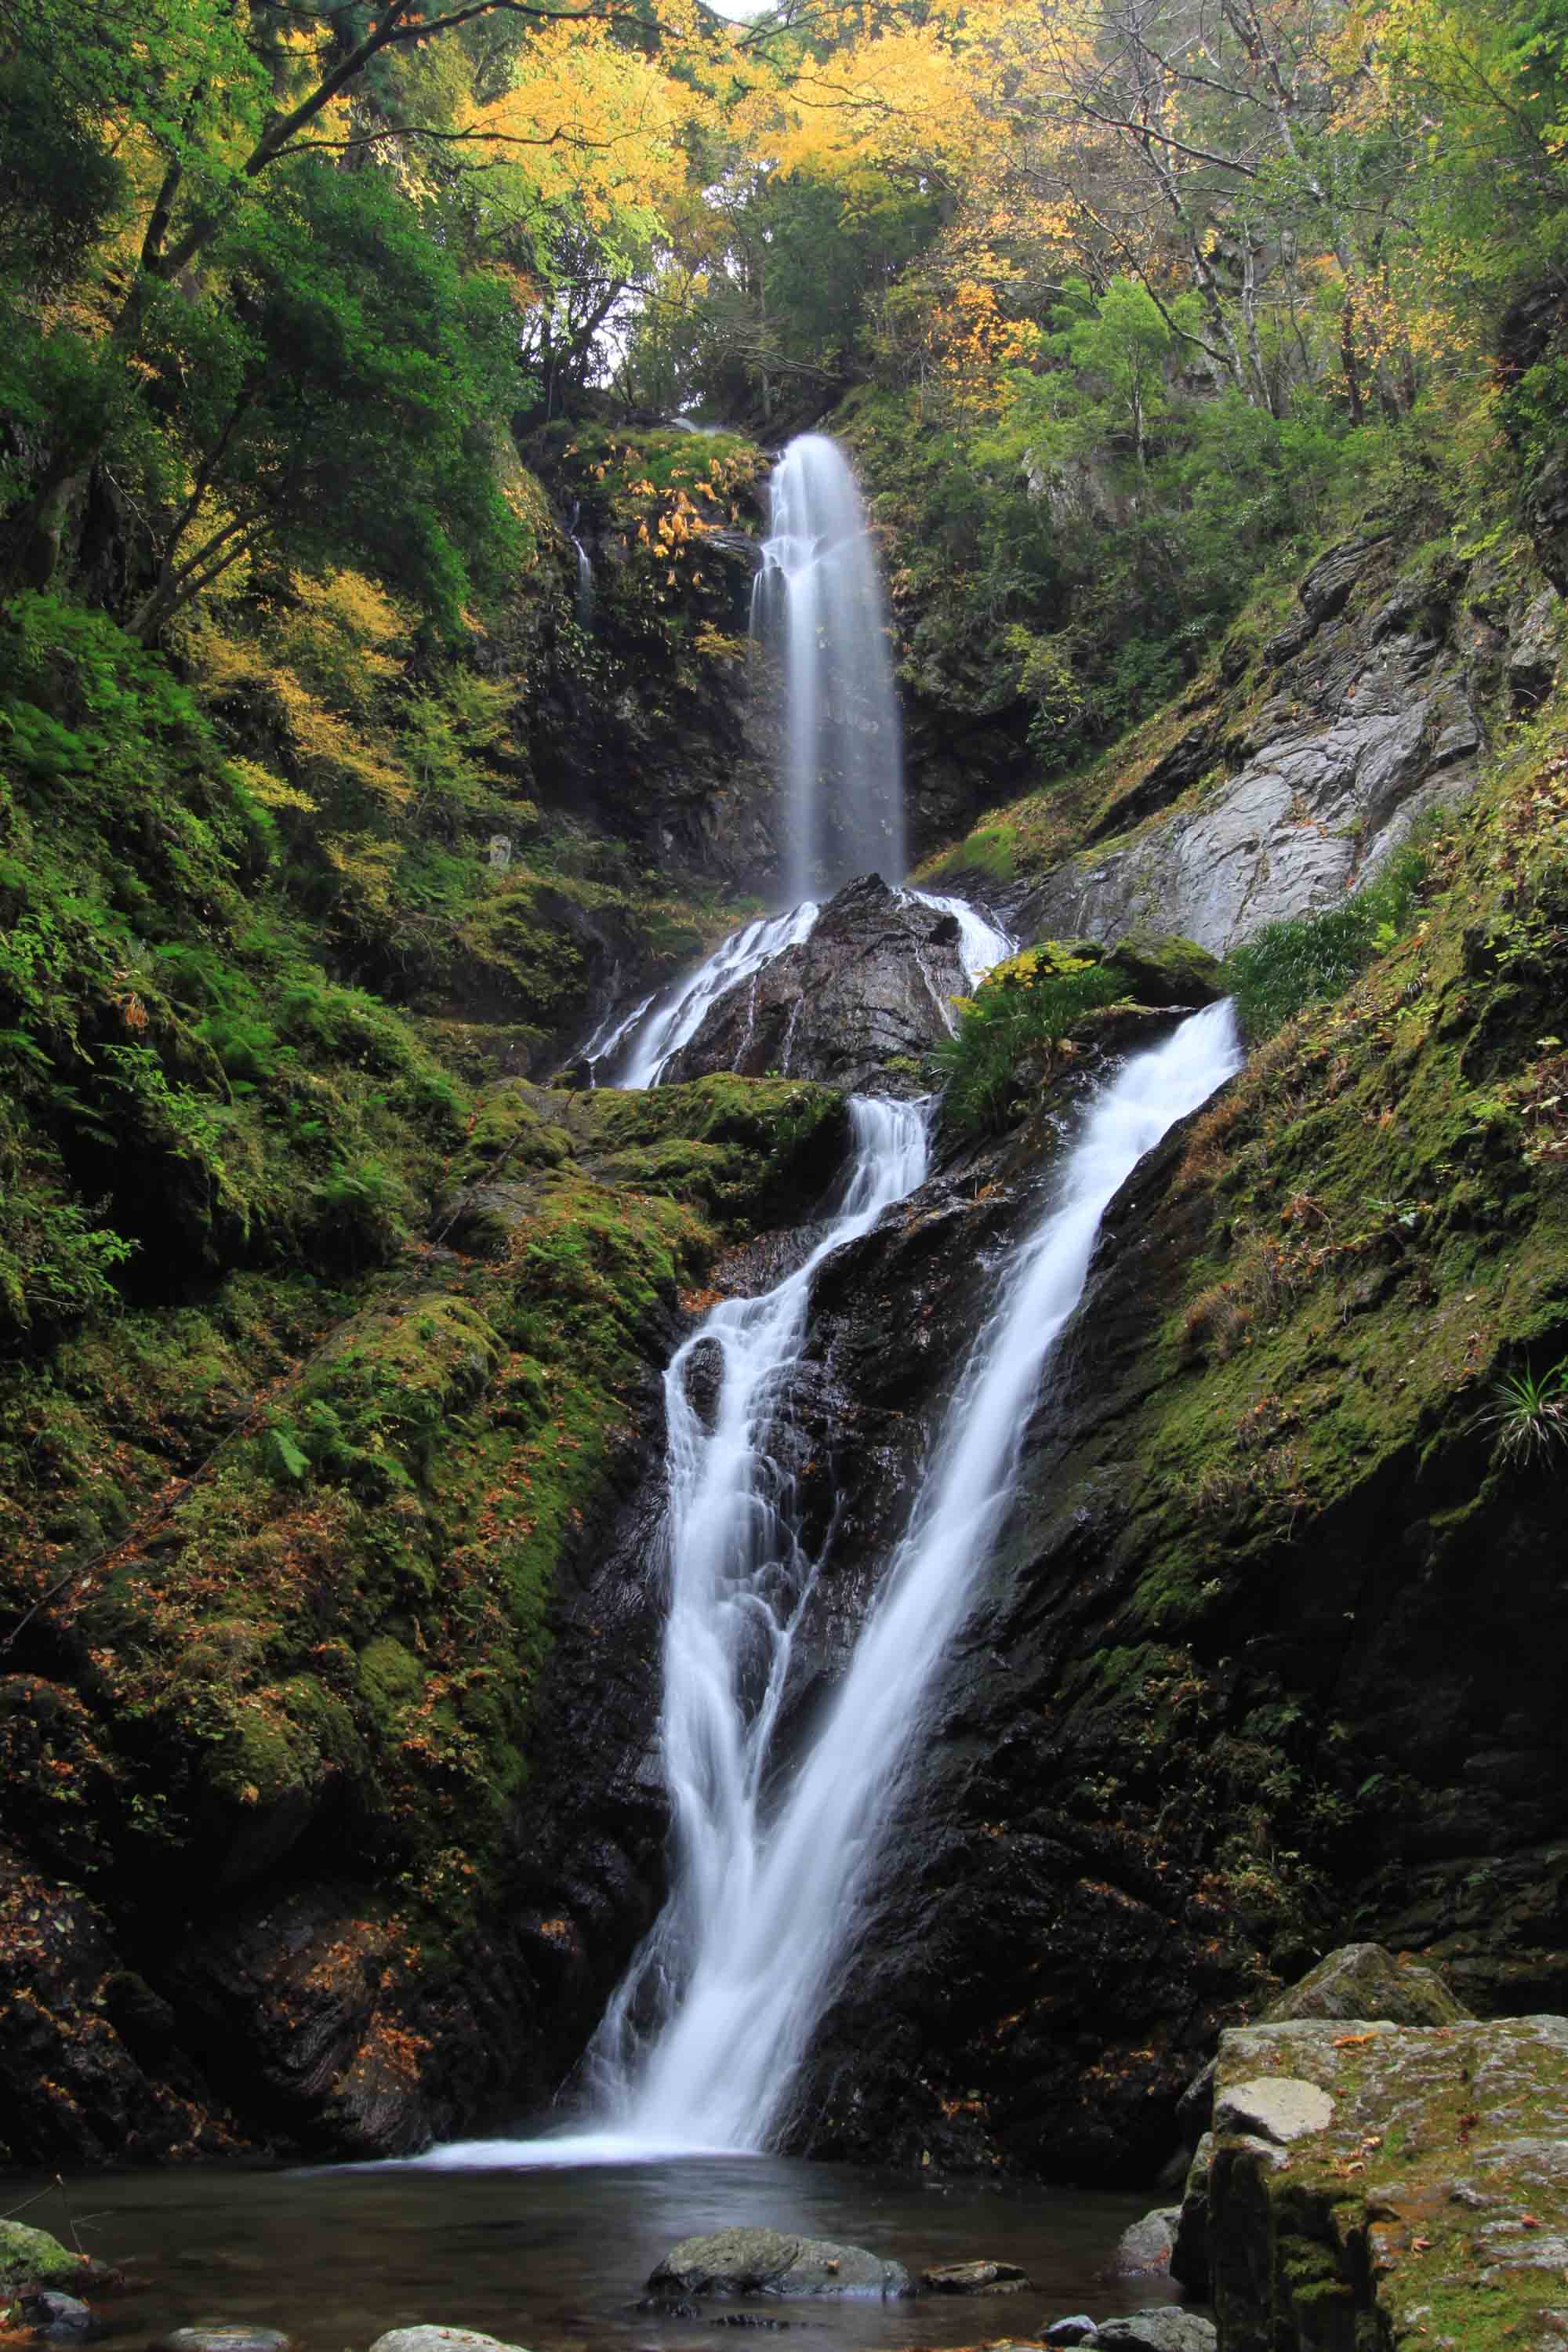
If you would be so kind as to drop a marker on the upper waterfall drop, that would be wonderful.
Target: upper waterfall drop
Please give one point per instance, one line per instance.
(818, 598)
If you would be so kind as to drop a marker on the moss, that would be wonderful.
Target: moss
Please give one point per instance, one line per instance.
(335, 1635)
(31, 2257)
(1165, 970)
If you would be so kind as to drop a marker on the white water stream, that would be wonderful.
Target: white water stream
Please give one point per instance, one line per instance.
(819, 595)
(674, 1020)
(701, 2046)
(641, 1044)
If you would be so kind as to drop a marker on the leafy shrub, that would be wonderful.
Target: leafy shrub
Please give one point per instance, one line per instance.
(1023, 1008)
(1307, 959)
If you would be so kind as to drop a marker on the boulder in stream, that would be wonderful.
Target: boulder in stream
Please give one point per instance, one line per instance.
(224, 2335)
(31, 2257)
(429, 2339)
(63, 2317)
(1145, 2246)
(982, 2277)
(763, 2262)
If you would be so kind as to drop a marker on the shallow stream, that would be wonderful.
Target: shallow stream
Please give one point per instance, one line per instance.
(557, 2259)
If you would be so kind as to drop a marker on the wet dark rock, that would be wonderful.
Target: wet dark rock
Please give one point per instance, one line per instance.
(1077, 2330)
(49, 2312)
(128, 2093)
(778, 2263)
(871, 986)
(982, 2277)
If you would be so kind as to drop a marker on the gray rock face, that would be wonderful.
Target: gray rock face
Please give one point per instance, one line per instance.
(872, 985)
(1375, 727)
(768, 2262)
(1359, 1981)
(1533, 650)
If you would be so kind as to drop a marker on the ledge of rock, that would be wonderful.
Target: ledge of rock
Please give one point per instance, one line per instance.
(774, 2262)
(1430, 2204)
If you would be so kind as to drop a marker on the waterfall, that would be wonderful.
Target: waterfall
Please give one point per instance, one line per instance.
(680, 1014)
(584, 585)
(738, 1581)
(701, 2044)
(819, 597)
(981, 943)
(765, 1908)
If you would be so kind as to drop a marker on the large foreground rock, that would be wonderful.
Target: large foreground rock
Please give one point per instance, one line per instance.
(775, 2262)
(872, 985)
(1430, 2205)
(1357, 1980)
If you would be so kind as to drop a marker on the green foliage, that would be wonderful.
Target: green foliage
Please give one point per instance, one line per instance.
(1308, 958)
(1529, 1414)
(1017, 1016)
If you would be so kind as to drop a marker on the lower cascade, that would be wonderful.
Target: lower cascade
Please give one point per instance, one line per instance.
(701, 2044)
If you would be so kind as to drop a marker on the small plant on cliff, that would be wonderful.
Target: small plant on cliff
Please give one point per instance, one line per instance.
(1529, 1414)
(1021, 1011)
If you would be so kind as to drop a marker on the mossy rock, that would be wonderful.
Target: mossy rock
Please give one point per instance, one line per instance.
(31, 2257)
(1161, 969)
(388, 1674)
(512, 1128)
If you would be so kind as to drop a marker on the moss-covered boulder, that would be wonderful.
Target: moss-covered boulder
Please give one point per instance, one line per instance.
(32, 2258)
(1161, 969)
(1426, 2198)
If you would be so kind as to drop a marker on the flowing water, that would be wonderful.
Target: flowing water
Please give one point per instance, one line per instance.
(701, 2044)
(981, 943)
(697, 2026)
(819, 597)
(640, 1045)
(674, 1020)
